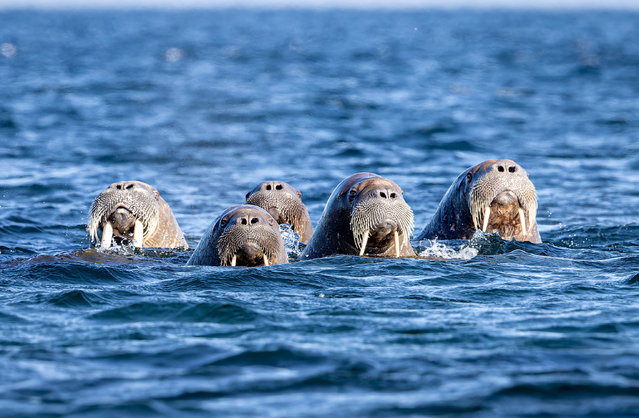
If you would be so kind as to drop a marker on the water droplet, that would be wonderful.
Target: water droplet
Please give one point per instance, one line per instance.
(8, 50)
(173, 54)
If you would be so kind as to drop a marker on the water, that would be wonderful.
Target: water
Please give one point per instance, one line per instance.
(205, 104)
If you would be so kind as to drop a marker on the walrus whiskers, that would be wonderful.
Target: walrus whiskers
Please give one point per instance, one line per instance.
(107, 235)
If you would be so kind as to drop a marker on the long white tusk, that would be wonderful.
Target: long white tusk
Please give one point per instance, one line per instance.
(265, 260)
(107, 235)
(234, 260)
(138, 234)
(522, 219)
(396, 244)
(486, 218)
(362, 250)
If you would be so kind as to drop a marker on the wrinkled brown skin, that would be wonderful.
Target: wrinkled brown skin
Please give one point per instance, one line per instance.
(167, 234)
(236, 222)
(333, 234)
(453, 218)
(284, 203)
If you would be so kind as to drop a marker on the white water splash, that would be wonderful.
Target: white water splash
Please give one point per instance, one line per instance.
(436, 249)
(291, 241)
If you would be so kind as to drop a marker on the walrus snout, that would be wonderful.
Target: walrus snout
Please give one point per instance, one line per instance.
(250, 254)
(384, 228)
(122, 220)
(505, 198)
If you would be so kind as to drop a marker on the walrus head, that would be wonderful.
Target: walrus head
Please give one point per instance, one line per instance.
(243, 235)
(502, 199)
(365, 215)
(133, 212)
(284, 203)
(493, 196)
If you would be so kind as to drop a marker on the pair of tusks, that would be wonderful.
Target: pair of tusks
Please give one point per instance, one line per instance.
(522, 220)
(362, 250)
(234, 260)
(107, 234)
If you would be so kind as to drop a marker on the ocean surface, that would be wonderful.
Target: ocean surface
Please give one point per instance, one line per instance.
(205, 104)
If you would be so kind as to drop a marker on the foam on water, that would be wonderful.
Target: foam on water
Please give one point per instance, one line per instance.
(439, 250)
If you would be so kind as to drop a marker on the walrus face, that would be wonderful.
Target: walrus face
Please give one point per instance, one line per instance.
(249, 236)
(125, 212)
(501, 198)
(380, 219)
(284, 203)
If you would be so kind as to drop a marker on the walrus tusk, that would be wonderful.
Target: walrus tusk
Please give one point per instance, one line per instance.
(396, 244)
(486, 218)
(234, 260)
(362, 250)
(522, 219)
(265, 260)
(138, 234)
(107, 235)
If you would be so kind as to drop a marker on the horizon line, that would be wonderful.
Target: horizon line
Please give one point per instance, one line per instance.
(384, 5)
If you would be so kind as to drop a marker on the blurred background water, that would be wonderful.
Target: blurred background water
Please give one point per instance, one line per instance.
(205, 104)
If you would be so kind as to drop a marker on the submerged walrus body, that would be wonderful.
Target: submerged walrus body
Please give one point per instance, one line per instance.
(243, 235)
(365, 215)
(133, 212)
(284, 203)
(493, 196)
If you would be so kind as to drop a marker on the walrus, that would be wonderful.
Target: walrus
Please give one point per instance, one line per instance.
(243, 235)
(133, 212)
(365, 215)
(494, 196)
(284, 203)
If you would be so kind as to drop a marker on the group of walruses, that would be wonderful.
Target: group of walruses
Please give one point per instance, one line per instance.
(366, 215)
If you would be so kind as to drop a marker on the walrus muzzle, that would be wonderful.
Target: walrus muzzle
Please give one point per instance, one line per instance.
(378, 221)
(506, 204)
(123, 213)
(250, 247)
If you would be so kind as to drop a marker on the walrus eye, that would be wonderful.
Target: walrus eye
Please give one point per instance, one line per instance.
(247, 196)
(223, 222)
(352, 194)
(469, 176)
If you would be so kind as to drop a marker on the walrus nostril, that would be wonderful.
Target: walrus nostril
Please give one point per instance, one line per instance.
(268, 187)
(123, 186)
(512, 169)
(393, 195)
(500, 168)
(382, 195)
(243, 221)
(278, 187)
(254, 220)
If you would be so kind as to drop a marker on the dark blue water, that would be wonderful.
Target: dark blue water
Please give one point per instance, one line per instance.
(205, 104)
